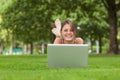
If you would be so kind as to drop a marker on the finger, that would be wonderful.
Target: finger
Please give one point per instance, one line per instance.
(58, 23)
(53, 29)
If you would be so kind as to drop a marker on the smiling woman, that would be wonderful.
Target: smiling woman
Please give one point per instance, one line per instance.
(66, 34)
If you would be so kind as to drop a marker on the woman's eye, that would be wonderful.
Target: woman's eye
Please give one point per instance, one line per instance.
(71, 30)
(65, 30)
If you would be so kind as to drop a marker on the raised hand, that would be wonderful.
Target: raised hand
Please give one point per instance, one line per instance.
(56, 30)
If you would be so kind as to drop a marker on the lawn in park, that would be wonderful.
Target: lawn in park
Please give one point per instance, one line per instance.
(34, 67)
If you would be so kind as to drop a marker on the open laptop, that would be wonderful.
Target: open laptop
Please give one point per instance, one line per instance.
(67, 55)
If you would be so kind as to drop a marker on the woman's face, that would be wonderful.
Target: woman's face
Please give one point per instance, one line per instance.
(67, 33)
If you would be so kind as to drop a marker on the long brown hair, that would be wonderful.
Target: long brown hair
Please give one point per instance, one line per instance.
(72, 25)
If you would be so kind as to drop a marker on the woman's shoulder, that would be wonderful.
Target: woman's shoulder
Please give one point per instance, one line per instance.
(79, 40)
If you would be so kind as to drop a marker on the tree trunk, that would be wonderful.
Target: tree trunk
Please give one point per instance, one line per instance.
(100, 44)
(113, 46)
(112, 15)
(11, 44)
(91, 44)
(1, 47)
(31, 48)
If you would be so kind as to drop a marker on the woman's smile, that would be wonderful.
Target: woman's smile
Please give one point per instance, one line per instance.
(68, 36)
(67, 33)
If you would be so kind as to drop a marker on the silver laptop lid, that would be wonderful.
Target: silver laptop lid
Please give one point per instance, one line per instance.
(67, 55)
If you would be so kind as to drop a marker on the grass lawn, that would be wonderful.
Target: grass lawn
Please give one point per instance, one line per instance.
(34, 67)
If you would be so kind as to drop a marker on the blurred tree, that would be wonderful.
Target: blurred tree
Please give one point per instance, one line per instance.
(93, 22)
(28, 20)
(31, 20)
(112, 6)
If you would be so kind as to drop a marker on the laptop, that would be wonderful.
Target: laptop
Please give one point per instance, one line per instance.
(67, 55)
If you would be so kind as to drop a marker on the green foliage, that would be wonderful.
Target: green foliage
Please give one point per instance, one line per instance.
(26, 19)
(94, 21)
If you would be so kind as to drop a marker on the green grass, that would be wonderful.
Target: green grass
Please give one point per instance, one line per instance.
(34, 67)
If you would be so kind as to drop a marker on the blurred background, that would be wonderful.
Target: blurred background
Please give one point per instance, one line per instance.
(25, 25)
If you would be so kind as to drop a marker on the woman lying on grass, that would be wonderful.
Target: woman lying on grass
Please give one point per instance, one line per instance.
(66, 34)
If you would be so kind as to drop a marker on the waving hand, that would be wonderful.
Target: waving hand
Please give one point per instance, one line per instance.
(56, 30)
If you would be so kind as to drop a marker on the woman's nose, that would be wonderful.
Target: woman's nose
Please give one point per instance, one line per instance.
(68, 31)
